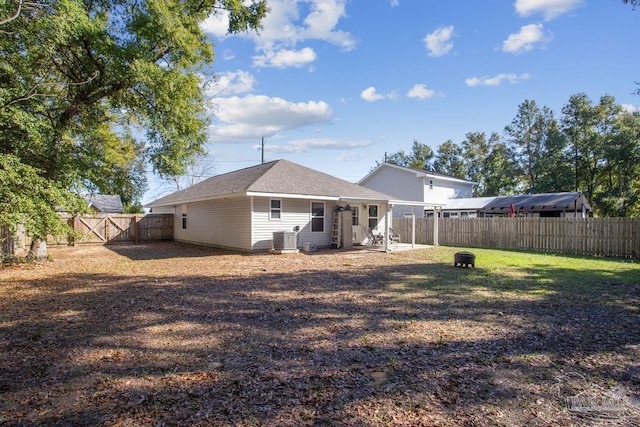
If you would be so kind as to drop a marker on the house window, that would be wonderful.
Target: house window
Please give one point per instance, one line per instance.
(317, 217)
(430, 184)
(355, 215)
(184, 217)
(275, 209)
(373, 216)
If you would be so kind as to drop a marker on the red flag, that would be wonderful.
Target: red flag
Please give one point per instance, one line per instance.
(512, 211)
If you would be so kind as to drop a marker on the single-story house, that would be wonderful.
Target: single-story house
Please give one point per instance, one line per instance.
(416, 184)
(244, 209)
(568, 204)
(104, 203)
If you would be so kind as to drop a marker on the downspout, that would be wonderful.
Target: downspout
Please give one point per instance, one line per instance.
(387, 224)
(435, 226)
(251, 225)
(413, 227)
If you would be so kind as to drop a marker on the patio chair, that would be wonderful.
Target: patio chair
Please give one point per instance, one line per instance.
(394, 238)
(373, 239)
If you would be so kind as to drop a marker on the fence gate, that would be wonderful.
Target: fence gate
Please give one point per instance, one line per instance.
(114, 228)
(95, 229)
(104, 229)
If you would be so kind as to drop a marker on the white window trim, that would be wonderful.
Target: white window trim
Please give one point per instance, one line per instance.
(184, 220)
(324, 215)
(355, 214)
(376, 217)
(271, 209)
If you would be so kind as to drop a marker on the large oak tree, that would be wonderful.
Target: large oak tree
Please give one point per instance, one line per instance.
(93, 90)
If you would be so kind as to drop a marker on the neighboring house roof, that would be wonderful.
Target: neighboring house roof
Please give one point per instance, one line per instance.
(525, 202)
(104, 203)
(543, 201)
(418, 172)
(471, 203)
(280, 177)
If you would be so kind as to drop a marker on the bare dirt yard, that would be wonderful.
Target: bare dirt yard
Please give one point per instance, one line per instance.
(166, 334)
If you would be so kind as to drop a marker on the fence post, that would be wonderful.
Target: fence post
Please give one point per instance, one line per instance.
(76, 228)
(635, 235)
(136, 231)
(7, 243)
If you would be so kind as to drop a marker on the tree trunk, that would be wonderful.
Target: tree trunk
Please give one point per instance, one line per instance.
(38, 249)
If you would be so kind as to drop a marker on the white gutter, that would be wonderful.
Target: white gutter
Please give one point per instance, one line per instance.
(290, 196)
(416, 203)
(194, 199)
(241, 194)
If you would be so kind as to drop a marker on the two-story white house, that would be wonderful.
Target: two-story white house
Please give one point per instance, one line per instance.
(416, 184)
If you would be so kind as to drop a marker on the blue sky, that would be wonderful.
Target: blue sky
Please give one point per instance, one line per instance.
(334, 84)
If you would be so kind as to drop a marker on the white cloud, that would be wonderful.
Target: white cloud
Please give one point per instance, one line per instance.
(497, 80)
(228, 55)
(303, 145)
(288, 23)
(321, 22)
(439, 42)
(549, 9)
(250, 117)
(630, 108)
(370, 95)
(420, 91)
(395, 3)
(526, 39)
(286, 58)
(217, 24)
(231, 83)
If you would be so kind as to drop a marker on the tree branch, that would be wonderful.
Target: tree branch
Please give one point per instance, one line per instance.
(15, 15)
(19, 10)
(34, 91)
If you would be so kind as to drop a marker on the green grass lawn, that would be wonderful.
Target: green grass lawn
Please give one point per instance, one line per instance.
(533, 272)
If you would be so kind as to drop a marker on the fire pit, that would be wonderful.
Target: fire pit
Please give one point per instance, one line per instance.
(464, 259)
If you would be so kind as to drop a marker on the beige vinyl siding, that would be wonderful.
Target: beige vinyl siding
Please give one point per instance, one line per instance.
(222, 222)
(359, 233)
(295, 212)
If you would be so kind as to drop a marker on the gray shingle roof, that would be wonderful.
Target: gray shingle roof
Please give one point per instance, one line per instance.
(105, 203)
(277, 177)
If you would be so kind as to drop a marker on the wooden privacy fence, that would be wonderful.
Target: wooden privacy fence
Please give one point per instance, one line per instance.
(114, 228)
(98, 229)
(615, 237)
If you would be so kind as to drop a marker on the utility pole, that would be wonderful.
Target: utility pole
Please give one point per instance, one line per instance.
(262, 149)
